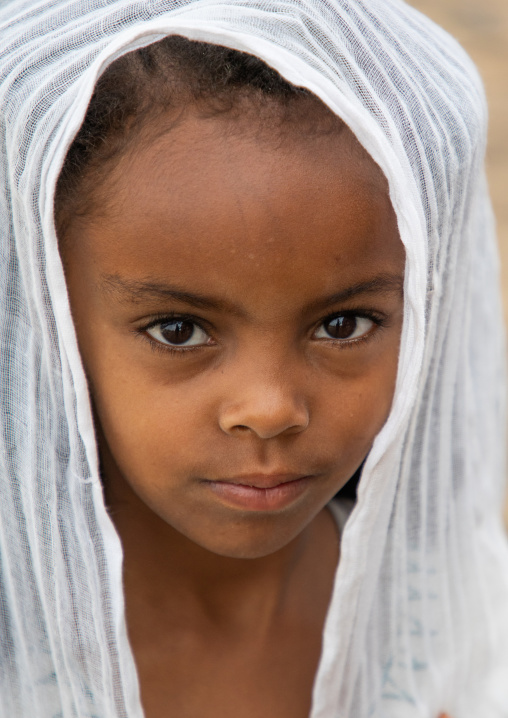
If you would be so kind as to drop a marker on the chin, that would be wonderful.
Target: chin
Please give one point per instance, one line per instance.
(245, 547)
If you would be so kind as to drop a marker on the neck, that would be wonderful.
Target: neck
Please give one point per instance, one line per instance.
(168, 575)
(169, 572)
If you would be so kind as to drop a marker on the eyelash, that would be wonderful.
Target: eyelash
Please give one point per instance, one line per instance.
(165, 348)
(380, 321)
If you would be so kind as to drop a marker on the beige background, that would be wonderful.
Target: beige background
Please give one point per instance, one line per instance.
(481, 26)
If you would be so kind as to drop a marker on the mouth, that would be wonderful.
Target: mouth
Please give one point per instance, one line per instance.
(261, 492)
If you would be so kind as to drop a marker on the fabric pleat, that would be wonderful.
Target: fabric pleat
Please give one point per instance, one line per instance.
(418, 620)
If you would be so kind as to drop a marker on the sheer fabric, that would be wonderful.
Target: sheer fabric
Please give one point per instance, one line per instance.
(418, 621)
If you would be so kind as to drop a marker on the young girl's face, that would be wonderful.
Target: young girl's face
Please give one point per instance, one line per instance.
(238, 303)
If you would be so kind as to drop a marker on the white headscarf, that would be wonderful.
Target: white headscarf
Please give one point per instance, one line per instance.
(418, 621)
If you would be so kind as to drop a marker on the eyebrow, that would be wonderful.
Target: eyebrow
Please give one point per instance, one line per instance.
(134, 291)
(382, 284)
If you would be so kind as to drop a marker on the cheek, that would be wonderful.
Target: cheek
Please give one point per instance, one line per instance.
(162, 435)
(355, 410)
(161, 423)
(154, 428)
(149, 426)
(143, 416)
(350, 424)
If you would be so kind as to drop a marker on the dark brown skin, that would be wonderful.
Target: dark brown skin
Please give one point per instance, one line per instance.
(226, 606)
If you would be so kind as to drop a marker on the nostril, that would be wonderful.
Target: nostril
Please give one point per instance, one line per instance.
(264, 416)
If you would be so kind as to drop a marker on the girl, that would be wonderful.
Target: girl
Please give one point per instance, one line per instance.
(247, 254)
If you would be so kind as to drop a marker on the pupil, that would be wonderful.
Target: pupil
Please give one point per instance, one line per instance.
(341, 327)
(177, 332)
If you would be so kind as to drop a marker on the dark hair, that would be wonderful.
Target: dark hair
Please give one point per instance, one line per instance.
(170, 75)
(166, 77)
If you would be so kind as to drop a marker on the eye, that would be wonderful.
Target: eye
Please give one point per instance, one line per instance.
(344, 326)
(178, 333)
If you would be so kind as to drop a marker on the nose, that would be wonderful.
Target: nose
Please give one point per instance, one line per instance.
(266, 409)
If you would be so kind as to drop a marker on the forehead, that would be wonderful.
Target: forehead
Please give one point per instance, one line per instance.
(218, 200)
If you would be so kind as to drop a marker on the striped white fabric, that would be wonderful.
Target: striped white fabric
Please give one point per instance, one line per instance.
(418, 620)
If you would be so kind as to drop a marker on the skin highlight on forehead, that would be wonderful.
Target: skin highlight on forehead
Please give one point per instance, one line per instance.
(276, 238)
(283, 259)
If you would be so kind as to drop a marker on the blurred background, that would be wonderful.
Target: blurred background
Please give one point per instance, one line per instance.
(481, 26)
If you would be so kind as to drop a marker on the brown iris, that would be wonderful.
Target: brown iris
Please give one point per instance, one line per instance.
(341, 327)
(177, 331)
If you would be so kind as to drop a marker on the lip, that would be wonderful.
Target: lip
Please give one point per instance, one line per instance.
(261, 492)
